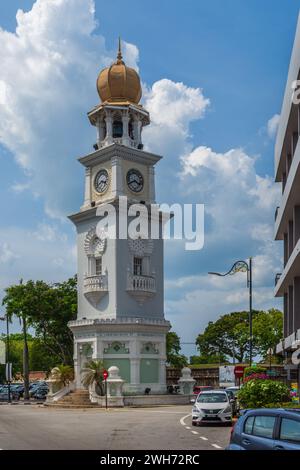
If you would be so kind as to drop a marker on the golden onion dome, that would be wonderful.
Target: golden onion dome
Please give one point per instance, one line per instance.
(119, 83)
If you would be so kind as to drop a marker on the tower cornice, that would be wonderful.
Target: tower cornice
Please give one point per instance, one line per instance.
(117, 150)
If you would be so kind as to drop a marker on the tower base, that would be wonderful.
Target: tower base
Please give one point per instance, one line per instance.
(136, 346)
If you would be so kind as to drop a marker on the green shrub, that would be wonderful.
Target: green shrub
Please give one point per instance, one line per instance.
(288, 404)
(259, 393)
(254, 370)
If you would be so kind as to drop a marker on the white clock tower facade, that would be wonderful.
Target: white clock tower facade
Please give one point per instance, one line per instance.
(120, 316)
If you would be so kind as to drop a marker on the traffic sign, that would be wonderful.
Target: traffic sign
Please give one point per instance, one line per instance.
(239, 371)
(105, 374)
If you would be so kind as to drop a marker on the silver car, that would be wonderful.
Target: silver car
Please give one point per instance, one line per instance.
(213, 406)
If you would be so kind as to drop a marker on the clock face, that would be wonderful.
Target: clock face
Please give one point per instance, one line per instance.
(135, 180)
(101, 181)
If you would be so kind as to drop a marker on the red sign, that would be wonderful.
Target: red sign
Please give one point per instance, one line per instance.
(105, 374)
(239, 371)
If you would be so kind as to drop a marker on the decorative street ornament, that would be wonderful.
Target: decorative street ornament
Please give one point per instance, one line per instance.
(239, 267)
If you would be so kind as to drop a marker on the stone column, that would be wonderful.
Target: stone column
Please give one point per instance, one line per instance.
(125, 121)
(109, 138)
(116, 177)
(135, 373)
(100, 131)
(162, 373)
(139, 132)
(151, 176)
(87, 190)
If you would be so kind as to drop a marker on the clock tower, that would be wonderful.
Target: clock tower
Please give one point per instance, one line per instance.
(120, 316)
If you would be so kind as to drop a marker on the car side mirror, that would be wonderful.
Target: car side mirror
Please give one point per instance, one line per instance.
(193, 400)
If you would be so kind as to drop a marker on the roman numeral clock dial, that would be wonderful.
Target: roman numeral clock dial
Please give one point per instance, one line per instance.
(101, 181)
(135, 180)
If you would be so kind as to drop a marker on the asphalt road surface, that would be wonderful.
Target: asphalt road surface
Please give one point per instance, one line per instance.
(24, 427)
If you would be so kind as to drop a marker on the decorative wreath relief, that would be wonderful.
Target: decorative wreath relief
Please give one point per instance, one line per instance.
(141, 247)
(94, 245)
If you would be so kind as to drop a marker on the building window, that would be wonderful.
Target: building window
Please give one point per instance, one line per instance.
(137, 266)
(98, 266)
(117, 129)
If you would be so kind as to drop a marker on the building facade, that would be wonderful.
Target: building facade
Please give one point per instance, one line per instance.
(287, 217)
(120, 280)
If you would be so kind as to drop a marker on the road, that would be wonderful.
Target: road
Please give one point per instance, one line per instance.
(26, 427)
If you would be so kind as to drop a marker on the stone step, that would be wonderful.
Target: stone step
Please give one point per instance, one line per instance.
(65, 405)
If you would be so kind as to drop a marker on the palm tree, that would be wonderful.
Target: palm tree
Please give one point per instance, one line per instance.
(93, 374)
(62, 374)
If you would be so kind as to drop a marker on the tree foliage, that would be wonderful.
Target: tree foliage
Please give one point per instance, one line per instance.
(228, 337)
(174, 358)
(47, 308)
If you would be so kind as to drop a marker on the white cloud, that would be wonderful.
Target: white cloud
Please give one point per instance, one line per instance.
(172, 106)
(7, 254)
(272, 125)
(47, 83)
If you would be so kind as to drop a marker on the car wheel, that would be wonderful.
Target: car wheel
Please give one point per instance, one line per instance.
(194, 423)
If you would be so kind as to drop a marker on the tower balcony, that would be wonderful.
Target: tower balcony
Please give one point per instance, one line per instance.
(141, 287)
(95, 287)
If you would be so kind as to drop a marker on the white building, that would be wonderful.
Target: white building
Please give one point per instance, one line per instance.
(120, 281)
(287, 220)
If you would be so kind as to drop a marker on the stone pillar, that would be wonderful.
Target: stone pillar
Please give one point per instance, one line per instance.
(135, 373)
(116, 177)
(125, 121)
(100, 131)
(139, 132)
(114, 383)
(108, 138)
(87, 190)
(151, 173)
(162, 372)
(186, 381)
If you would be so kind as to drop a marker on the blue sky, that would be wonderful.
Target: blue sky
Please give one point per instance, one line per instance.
(231, 53)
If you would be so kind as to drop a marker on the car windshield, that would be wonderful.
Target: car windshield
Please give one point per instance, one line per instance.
(212, 398)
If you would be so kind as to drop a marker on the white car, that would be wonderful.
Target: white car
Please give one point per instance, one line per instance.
(213, 406)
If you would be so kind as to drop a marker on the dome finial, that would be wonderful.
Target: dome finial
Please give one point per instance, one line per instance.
(119, 56)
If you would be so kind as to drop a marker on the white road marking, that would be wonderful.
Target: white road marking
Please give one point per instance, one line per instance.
(216, 446)
(187, 427)
(182, 420)
(195, 432)
(204, 438)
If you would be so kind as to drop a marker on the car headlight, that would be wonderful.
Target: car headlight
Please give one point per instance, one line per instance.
(195, 410)
(227, 409)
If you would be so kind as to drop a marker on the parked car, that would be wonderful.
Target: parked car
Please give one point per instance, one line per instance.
(201, 388)
(232, 393)
(4, 394)
(267, 429)
(41, 394)
(212, 406)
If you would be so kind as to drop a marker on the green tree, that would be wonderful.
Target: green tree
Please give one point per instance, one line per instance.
(174, 358)
(208, 359)
(267, 330)
(47, 308)
(228, 336)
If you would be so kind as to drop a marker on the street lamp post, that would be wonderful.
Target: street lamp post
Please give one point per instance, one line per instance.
(243, 266)
(7, 353)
